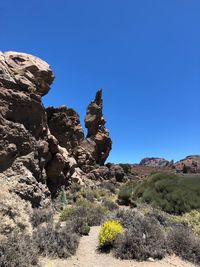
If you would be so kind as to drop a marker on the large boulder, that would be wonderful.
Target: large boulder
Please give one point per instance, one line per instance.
(25, 72)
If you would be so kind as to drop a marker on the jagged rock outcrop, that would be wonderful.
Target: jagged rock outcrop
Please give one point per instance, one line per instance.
(190, 164)
(42, 149)
(64, 124)
(96, 147)
(154, 162)
(23, 128)
(26, 146)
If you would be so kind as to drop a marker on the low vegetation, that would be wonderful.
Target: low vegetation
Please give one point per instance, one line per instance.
(125, 193)
(172, 193)
(84, 214)
(184, 244)
(18, 250)
(165, 221)
(143, 238)
(53, 242)
(191, 219)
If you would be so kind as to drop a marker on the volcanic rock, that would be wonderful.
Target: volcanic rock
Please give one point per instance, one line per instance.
(96, 147)
(64, 124)
(24, 72)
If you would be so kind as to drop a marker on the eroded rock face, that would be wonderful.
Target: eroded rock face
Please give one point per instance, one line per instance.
(25, 72)
(43, 149)
(23, 129)
(96, 147)
(24, 133)
(64, 124)
(190, 164)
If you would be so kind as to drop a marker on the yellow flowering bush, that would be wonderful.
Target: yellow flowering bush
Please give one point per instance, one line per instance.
(109, 231)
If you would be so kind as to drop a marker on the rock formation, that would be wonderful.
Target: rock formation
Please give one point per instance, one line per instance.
(96, 147)
(43, 149)
(154, 162)
(190, 164)
(64, 124)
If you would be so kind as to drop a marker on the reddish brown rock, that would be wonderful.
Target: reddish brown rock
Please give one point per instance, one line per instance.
(64, 124)
(154, 162)
(96, 147)
(190, 164)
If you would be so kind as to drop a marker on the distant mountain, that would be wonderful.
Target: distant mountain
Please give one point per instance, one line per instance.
(190, 164)
(154, 162)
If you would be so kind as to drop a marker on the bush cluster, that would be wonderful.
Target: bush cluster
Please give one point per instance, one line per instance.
(53, 242)
(83, 215)
(143, 239)
(191, 219)
(40, 216)
(125, 193)
(172, 193)
(184, 244)
(18, 250)
(153, 235)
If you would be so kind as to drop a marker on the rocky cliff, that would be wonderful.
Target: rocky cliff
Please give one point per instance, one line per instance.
(42, 149)
(190, 164)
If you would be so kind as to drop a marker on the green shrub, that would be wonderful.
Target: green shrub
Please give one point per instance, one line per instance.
(125, 192)
(85, 229)
(110, 204)
(191, 219)
(66, 213)
(86, 212)
(173, 193)
(108, 233)
(126, 167)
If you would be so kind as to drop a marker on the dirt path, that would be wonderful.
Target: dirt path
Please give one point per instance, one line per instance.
(88, 256)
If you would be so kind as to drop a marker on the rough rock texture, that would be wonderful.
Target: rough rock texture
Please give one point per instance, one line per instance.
(25, 72)
(96, 147)
(190, 164)
(23, 128)
(154, 162)
(38, 146)
(31, 160)
(64, 124)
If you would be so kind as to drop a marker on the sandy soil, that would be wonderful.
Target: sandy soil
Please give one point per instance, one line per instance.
(88, 256)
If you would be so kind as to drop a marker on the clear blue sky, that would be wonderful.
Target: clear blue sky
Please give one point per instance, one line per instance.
(145, 54)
